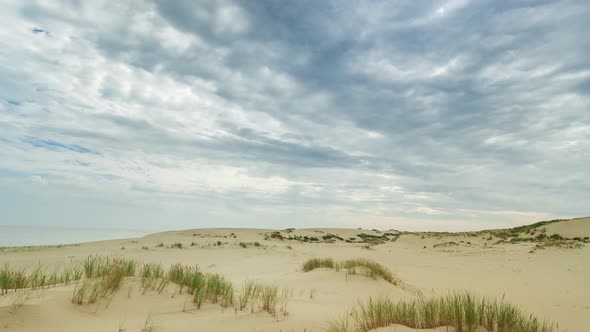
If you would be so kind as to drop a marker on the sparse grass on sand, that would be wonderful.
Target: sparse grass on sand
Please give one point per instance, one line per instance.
(153, 277)
(100, 277)
(103, 277)
(15, 279)
(316, 263)
(203, 286)
(364, 266)
(263, 297)
(461, 310)
(18, 300)
(149, 325)
(36, 248)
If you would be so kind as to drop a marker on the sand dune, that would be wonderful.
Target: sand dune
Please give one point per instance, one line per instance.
(549, 282)
(579, 227)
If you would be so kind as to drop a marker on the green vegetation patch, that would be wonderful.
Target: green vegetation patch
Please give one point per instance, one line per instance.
(462, 311)
(352, 266)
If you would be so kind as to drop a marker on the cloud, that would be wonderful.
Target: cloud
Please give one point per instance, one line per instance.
(38, 179)
(301, 113)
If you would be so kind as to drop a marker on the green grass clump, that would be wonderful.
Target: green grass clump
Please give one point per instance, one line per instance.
(203, 286)
(152, 277)
(219, 290)
(103, 277)
(316, 263)
(364, 266)
(462, 311)
(176, 273)
(12, 279)
(369, 268)
(210, 287)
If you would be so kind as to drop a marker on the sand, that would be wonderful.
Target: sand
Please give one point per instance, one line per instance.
(551, 283)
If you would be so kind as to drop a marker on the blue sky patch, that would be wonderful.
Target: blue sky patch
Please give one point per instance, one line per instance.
(57, 146)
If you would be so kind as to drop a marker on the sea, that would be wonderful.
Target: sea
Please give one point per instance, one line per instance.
(17, 236)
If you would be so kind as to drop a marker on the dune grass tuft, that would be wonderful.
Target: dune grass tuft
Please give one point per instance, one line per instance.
(352, 266)
(316, 263)
(263, 297)
(369, 268)
(203, 286)
(150, 325)
(16, 279)
(152, 277)
(103, 277)
(250, 292)
(460, 310)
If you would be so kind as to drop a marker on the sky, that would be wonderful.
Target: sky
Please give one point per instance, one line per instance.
(412, 115)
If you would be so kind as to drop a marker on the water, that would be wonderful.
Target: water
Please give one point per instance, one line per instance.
(11, 236)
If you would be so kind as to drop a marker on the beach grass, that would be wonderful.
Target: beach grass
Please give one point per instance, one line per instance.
(460, 310)
(149, 325)
(250, 292)
(259, 296)
(316, 263)
(364, 266)
(12, 279)
(369, 268)
(103, 276)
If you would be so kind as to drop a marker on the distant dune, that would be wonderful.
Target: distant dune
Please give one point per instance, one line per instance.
(579, 227)
(542, 269)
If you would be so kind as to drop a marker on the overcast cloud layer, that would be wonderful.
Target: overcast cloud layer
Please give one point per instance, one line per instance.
(390, 114)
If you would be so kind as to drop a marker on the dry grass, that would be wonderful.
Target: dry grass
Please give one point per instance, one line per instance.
(149, 325)
(18, 300)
